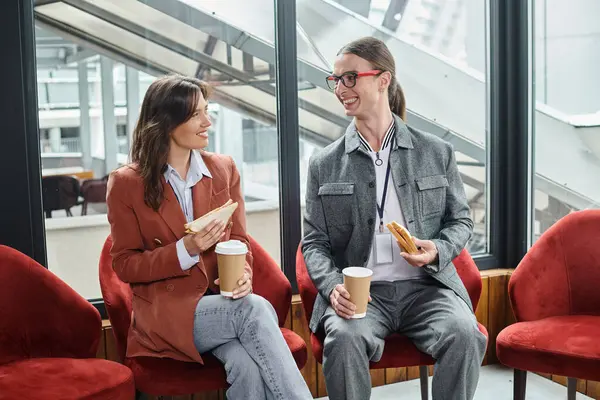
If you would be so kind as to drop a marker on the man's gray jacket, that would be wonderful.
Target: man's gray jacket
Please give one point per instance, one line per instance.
(341, 207)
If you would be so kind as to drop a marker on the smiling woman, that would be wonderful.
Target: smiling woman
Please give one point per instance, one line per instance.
(178, 311)
(174, 119)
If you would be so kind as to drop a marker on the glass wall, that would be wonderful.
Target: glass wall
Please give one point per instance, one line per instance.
(89, 99)
(96, 59)
(440, 52)
(567, 117)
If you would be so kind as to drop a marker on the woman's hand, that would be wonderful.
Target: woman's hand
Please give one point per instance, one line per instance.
(197, 243)
(244, 284)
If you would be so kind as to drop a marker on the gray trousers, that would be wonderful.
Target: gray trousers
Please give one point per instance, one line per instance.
(245, 336)
(437, 321)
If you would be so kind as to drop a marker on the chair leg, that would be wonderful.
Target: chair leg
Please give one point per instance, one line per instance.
(424, 378)
(571, 388)
(140, 396)
(520, 384)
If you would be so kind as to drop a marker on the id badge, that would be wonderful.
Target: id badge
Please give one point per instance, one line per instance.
(384, 248)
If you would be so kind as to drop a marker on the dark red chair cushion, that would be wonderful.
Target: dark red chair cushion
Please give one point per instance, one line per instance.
(65, 379)
(399, 350)
(163, 376)
(178, 378)
(297, 347)
(566, 346)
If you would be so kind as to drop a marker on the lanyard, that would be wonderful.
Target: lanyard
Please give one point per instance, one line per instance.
(385, 187)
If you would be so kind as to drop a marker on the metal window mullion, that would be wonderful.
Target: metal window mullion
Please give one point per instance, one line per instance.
(288, 135)
(510, 130)
(22, 219)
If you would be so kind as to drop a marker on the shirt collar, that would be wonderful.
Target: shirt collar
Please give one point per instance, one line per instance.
(387, 139)
(197, 169)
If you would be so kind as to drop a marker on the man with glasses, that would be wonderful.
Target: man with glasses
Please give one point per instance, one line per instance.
(379, 172)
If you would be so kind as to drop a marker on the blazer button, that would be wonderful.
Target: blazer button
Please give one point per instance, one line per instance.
(370, 221)
(371, 184)
(170, 287)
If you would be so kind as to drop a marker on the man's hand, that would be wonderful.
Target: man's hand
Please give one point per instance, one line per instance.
(197, 243)
(340, 301)
(427, 255)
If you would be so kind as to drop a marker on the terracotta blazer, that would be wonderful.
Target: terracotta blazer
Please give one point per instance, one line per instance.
(145, 256)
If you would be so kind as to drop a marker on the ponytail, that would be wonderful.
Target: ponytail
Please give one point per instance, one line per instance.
(397, 100)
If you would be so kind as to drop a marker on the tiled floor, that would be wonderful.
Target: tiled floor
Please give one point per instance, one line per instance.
(495, 383)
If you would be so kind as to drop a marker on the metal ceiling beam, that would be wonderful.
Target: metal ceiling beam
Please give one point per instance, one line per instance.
(210, 24)
(44, 2)
(100, 46)
(396, 7)
(209, 48)
(80, 56)
(361, 7)
(195, 55)
(119, 55)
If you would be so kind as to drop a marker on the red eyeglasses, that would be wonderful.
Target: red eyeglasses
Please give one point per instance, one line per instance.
(348, 79)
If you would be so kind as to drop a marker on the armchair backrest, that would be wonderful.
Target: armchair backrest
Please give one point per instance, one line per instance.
(270, 282)
(117, 297)
(40, 315)
(560, 274)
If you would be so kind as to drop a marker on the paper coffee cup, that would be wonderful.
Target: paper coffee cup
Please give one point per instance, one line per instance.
(357, 281)
(231, 258)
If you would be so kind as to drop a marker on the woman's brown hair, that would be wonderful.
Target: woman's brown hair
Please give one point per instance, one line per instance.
(169, 102)
(377, 53)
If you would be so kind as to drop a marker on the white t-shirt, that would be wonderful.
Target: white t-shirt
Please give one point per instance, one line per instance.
(398, 268)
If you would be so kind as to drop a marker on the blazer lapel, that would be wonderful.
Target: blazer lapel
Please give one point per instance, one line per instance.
(201, 196)
(171, 212)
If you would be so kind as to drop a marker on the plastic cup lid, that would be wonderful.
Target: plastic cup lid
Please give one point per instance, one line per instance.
(357, 272)
(231, 247)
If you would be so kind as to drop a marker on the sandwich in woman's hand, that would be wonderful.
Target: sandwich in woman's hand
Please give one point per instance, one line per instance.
(222, 213)
(403, 237)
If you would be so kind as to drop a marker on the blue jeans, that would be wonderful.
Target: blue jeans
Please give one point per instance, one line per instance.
(245, 336)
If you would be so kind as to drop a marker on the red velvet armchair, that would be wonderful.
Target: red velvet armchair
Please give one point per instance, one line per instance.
(49, 337)
(168, 377)
(399, 350)
(555, 295)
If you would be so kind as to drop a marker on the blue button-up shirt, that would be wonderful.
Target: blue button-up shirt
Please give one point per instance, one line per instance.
(183, 192)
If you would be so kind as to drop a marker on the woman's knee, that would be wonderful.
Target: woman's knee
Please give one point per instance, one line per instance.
(259, 305)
